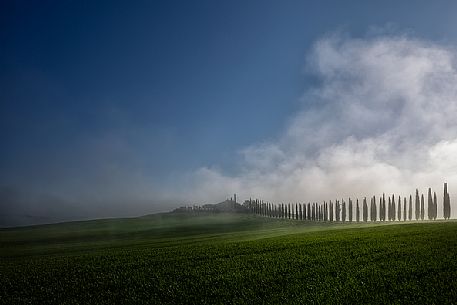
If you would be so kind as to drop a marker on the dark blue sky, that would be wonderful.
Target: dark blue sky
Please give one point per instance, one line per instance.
(164, 87)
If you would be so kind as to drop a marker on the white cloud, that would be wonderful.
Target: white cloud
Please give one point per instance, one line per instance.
(382, 119)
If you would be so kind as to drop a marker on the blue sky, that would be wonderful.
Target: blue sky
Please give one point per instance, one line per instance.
(156, 90)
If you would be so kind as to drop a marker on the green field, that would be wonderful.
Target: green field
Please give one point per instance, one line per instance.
(228, 259)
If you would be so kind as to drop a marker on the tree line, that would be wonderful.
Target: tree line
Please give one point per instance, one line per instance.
(390, 208)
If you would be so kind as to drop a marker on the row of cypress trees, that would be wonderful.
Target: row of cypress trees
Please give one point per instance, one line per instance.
(390, 210)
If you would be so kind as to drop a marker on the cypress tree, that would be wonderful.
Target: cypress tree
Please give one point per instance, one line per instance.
(394, 214)
(357, 211)
(446, 203)
(365, 210)
(422, 207)
(417, 205)
(343, 211)
(399, 209)
(309, 211)
(331, 210)
(374, 212)
(383, 208)
(435, 206)
(410, 212)
(404, 209)
(350, 210)
(389, 211)
(371, 209)
(380, 208)
(430, 205)
(326, 211)
(336, 211)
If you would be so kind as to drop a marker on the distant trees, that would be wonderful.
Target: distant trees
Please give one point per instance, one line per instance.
(341, 210)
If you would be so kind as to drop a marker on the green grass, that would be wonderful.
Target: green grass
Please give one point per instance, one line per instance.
(228, 259)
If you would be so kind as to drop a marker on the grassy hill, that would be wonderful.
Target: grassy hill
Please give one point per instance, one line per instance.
(181, 258)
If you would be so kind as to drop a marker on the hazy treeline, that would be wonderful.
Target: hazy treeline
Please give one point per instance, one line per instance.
(390, 208)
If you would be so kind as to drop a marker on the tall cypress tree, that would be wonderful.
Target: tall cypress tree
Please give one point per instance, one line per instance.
(446, 203)
(389, 210)
(429, 205)
(404, 209)
(343, 211)
(383, 207)
(330, 210)
(365, 210)
(399, 209)
(371, 209)
(394, 213)
(350, 210)
(326, 211)
(422, 207)
(375, 212)
(357, 211)
(435, 206)
(417, 205)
